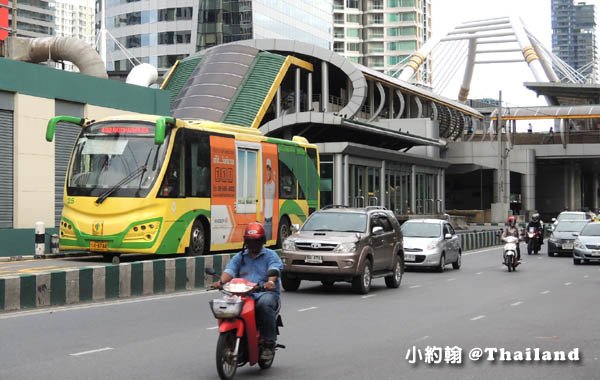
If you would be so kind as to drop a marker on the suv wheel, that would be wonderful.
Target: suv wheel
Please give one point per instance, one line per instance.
(361, 284)
(393, 281)
(289, 284)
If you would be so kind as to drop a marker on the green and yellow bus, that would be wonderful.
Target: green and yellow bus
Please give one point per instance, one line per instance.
(157, 185)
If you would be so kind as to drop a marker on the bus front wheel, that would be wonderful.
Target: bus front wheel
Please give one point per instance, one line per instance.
(197, 239)
(283, 231)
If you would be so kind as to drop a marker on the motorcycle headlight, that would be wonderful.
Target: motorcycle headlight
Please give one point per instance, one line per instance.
(289, 245)
(346, 247)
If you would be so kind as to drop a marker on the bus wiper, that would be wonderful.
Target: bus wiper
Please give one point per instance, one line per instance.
(122, 182)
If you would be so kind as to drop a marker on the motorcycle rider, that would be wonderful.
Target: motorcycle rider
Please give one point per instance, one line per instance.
(513, 230)
(252, 264)
(537, 223)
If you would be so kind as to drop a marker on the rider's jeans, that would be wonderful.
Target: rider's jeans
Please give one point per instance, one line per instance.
(266, 316)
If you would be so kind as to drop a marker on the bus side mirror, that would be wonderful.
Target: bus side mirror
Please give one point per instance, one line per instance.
(50, 129)
(161, 127)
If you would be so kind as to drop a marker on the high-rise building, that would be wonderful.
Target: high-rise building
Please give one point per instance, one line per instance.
(161, 32)
(223, 21)
(574, 36)
(35, 18)
(380, 33)
(76, 18)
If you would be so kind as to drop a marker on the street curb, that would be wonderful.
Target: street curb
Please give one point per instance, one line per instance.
(44, 256)
(142, 278)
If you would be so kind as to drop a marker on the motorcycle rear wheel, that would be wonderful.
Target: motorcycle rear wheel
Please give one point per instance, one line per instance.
(226, 362)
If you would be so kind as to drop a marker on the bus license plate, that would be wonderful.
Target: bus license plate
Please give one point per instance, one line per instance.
(314, 259)
(409, 257)
(98, 245)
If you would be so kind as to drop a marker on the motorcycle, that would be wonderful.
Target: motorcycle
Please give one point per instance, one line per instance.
(239, 338)
(533, 240)
(510, 253)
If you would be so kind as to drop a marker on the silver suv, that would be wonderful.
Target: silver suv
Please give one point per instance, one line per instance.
(339, 243)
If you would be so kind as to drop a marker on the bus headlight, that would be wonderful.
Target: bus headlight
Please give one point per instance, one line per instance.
(145, 231)
(66, 230)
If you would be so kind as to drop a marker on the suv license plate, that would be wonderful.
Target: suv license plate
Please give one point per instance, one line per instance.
(314, 259)
(567, 246)
(595, 253)
(98, 245)
(409, 257)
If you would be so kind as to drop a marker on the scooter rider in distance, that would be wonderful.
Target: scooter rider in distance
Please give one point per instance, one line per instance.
(537, 223)
(513, 230)
(252, 264)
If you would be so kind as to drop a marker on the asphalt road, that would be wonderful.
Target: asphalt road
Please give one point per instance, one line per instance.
(331, 333)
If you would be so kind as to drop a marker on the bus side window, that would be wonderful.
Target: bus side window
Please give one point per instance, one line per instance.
(287, 182)
(173, 184)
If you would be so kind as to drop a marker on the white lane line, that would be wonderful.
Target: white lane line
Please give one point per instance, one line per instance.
(516, 303)
(422, 338)
(568, 283)
(212, 328)
(479, 273)
(92, 351)
(586, 276)
(481, 251)
(308, 308)
(450, 279)
(545, 292)
(414, 286)
(478, 317)
(368, 296)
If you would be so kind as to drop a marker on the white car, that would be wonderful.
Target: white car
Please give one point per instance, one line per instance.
(569, 215)
(431, 243)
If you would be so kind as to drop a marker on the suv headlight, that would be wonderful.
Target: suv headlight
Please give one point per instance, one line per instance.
(289, 245)
(346, 247)
(578, 245)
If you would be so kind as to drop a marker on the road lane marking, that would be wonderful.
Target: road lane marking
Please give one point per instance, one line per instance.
(212, 328)
(308, 308)
(482, 251)
(478, 317)
(414, 286)
(368, 296)
(545, 292)
(568, 283)
(92, 351)
(586, 276)
(422, 338)
(479, 273)
(450, 279)
(516, 303)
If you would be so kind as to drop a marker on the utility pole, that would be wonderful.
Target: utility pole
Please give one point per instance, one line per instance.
(500, 160)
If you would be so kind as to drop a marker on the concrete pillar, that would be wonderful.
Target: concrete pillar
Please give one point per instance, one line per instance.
(346, 179)
(383, 189)
(413, 189)
(338, 179)
(278, 103)
(572, 177)
(595, 184)
(309, 91)
(371, 98)
(528, 183)
(297, 89)
(324, 86)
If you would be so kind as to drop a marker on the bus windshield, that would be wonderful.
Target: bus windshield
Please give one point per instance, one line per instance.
(107, 153)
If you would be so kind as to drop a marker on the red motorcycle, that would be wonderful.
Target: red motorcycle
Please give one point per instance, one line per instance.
(239, 338)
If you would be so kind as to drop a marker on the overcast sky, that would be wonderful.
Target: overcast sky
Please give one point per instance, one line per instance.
(508, 77)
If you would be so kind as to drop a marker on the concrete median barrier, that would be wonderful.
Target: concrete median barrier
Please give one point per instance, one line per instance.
(110, 282)
(143, 278)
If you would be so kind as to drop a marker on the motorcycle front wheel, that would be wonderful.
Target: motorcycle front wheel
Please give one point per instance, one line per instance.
(509, 262)
(226, 360)
(266, 364)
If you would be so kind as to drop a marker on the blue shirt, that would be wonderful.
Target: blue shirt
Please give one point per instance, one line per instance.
(255, 270)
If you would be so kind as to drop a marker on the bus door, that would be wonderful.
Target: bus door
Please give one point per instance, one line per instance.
(269, 212)
(223, 190)
(248, 194)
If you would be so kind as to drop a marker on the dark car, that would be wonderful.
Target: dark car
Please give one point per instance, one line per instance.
(345, 244)
(563, 237)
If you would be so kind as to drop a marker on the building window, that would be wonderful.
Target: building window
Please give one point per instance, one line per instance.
(352, 32)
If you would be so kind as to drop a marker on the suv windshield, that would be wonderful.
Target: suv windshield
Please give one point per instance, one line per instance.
(336, 221)
(105, 154)
(571, 225)
(423, 230)
(571, 216)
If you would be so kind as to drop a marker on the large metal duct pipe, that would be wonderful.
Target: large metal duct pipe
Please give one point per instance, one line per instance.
(70, 49)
